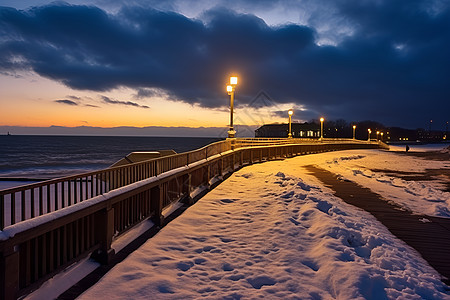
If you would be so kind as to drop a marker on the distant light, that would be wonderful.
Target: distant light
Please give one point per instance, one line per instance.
(290, 112)
(229, 88)
(322, 119)
(233, 80)
(354, 126)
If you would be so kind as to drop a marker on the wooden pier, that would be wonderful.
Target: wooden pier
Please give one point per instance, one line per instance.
(47, 226)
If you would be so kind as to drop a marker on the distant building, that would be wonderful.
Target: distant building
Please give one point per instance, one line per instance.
(299, 130)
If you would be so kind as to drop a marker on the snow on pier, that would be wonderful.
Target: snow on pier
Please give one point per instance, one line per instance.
(274, 231)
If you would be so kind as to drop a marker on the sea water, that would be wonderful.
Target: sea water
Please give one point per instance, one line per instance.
(27, 158)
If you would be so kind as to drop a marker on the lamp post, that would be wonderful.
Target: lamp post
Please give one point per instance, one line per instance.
(290, 112)
(354, 128)
(381, 136)
(377, 135)
(370, 131)
(321, 128)
(230, 90)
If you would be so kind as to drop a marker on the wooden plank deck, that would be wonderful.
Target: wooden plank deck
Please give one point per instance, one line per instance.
(430, 239)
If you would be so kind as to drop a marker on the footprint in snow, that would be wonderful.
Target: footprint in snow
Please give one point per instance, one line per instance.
(304, 186)
(280, 174)
(226, 240)
(184, 265)
(288, 195)
(227, 267)
(310, 264)
(260, 281)
(199, 261)
(226, 201)
(295, 222)
(246, 175)
(324, 206)
(301, 196)
(236, 277)
(165, 289)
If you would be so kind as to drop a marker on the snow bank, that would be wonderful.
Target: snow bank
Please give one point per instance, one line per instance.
(421, 197)
(272, 231)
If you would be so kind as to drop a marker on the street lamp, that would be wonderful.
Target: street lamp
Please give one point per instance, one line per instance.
(354, 128)
(381, 136)
(370, 131)
(377, 135)
(230, 90)
(321, 128)
(290, 112)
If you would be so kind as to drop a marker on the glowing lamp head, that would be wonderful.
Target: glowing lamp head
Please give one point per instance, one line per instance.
(233, 80)
(290, 112)
(369, 130)
(322, 119)
(354, 126)
(378, 132)
(229, 88)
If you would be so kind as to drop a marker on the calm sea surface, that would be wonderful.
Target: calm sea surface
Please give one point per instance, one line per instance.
(45, 157)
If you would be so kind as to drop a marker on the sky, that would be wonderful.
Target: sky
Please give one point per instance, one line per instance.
(105, 63)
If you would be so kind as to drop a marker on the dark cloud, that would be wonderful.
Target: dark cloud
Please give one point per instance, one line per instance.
(92, 105)
(148, 93)
(393, 67)
(76, 101)
(127, 103)
(67, 102)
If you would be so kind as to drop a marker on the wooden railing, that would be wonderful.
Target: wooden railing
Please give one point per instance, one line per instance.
(32, 200)
(49, 225)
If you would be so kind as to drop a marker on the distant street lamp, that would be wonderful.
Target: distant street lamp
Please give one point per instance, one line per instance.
(321, 128)
(381, 136)
(370, 131)
(290, 112)
(378, 133)
(230, 89)
(354, 128)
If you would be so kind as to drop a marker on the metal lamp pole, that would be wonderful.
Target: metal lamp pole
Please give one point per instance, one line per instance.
(321, 128)
(230, 90)
(290, 112)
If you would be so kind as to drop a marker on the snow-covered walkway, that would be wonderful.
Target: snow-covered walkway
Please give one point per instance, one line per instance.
(272, 231)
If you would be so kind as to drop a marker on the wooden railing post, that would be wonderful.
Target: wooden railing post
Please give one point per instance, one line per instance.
(241, 158)
(156, 204)
(158, 167)
(104, 231)
(186, 188)
(9, 274)
(221, 166)
(208, 173)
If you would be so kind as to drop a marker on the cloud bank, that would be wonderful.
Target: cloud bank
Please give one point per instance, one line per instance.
(394, 67)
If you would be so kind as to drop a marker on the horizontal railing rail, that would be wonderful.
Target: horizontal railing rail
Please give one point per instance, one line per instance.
(34, 249)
